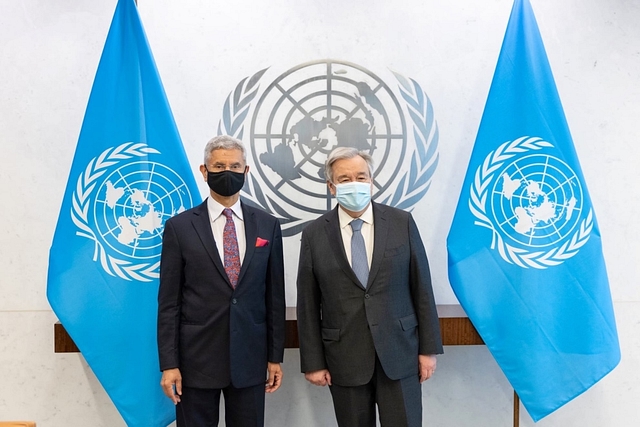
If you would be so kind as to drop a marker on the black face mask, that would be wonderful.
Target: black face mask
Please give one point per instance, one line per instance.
(225, 183)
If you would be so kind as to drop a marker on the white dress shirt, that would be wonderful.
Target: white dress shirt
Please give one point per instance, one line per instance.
(367, 232)
(218, 221)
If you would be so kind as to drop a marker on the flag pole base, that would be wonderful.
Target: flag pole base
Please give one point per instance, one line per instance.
(516, 409)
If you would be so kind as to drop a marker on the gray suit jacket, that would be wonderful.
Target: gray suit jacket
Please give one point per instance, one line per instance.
(341, 325)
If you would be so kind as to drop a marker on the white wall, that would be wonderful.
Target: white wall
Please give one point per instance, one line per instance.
(49, 53)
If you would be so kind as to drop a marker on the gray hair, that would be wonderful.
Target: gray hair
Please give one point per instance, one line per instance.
(342, 153)
(224, 142)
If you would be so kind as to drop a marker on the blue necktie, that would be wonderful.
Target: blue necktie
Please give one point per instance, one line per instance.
(359, 262)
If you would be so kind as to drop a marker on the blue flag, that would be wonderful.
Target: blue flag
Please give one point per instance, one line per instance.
(129, 174)
(525, 255)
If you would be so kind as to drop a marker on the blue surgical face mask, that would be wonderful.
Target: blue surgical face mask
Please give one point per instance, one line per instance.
(354, 196)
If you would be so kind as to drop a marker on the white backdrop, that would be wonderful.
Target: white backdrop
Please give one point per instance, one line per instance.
(49, 52)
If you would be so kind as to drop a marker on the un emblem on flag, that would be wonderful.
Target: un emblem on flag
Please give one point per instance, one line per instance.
(121, 202)
(306, 112)
(533, 203)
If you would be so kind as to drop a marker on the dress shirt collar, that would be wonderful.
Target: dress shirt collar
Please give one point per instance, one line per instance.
(345, 219)
(215, 209)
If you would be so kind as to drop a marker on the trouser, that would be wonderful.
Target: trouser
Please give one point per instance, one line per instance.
(399, 401)
(243, 407)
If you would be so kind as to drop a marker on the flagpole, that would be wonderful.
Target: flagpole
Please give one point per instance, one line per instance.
(516, 409)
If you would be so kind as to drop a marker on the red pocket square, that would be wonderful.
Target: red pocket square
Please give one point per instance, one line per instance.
(261, 242)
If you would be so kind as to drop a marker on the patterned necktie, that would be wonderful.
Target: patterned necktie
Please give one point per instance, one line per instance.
(231, 252)
(359, 262)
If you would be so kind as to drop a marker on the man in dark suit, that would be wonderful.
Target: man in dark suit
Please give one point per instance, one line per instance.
(367, 319)
(221, 304)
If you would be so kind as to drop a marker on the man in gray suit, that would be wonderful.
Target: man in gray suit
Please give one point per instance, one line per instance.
(367, 319)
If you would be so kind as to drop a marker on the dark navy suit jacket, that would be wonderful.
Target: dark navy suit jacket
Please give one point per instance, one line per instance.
(214, 334)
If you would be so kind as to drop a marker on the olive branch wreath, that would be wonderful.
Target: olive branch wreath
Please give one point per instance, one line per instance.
(234, 114)
(479, 191)
(81, 199)
(416, 181)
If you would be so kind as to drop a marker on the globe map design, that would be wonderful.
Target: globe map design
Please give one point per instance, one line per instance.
(132, 205)
(537, 200)
(312, 109)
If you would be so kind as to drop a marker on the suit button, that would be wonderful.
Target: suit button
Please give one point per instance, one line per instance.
(366, 296)
(234, 301)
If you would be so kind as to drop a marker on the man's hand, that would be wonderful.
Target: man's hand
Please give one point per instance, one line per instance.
(319, 378)
(171, 383)
(274, 377)
(427, 366)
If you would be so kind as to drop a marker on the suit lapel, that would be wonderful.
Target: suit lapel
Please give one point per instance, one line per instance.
(332, 228)
(202, 225)
(380, 231)
(251, 235)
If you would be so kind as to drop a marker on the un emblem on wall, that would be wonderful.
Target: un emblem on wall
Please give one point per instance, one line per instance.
(122, 203)
(533, 202)
(315, 107)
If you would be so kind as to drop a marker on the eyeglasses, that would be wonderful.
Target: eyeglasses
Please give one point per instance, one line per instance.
(219, 167)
